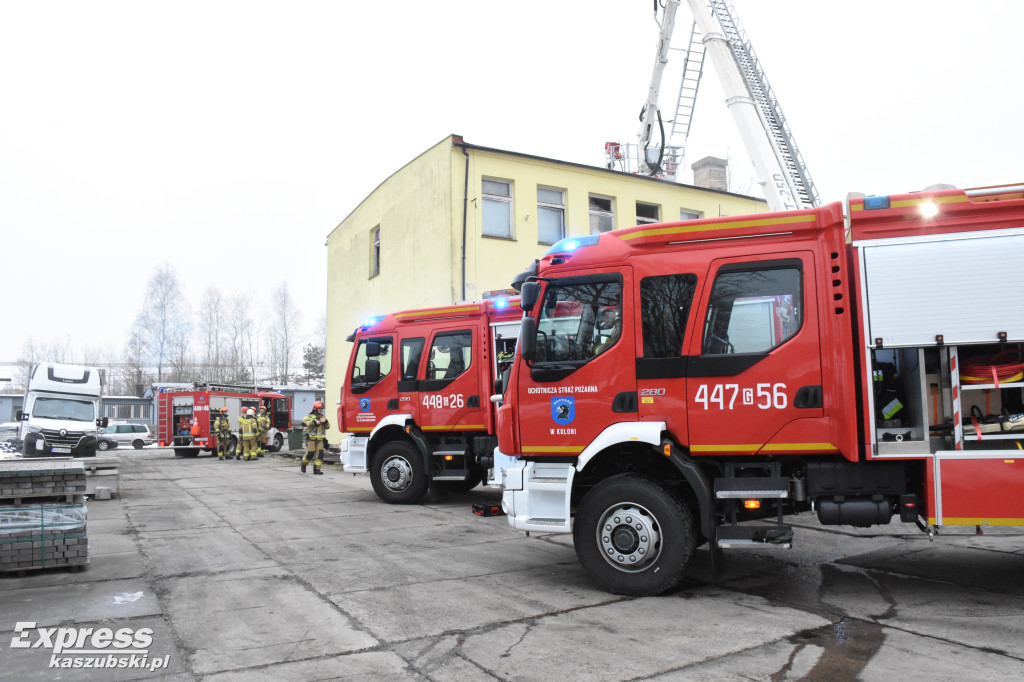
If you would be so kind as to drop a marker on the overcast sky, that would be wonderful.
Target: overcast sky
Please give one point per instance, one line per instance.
(229, 138)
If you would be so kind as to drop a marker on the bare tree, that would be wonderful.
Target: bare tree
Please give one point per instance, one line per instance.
(239, 329)
(212, 323)
(164, 314)
(281, 336)
(132, 375)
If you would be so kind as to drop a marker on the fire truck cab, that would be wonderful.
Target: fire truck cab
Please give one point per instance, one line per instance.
(415, 405)
(186, 420)
(676, 380)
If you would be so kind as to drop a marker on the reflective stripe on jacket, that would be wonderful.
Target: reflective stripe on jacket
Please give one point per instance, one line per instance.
(248, 426)
(314, 430)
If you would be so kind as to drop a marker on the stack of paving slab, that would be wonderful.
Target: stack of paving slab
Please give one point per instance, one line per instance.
(42, 515)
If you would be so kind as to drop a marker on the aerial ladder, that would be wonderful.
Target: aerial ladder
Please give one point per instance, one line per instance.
(778, 165)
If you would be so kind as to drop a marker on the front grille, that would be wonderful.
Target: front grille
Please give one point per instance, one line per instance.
(69, 440)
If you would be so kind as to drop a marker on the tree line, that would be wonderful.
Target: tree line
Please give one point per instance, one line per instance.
(226, 340)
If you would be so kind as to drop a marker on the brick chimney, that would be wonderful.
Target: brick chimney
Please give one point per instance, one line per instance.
(710, 172)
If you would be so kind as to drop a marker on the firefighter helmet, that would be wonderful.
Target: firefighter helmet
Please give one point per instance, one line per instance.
(318, 405)
(263, 408)
(251, 412)
(223, 410)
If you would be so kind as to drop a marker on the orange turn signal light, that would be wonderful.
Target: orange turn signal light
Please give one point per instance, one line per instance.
(752, 504)
(448, 458)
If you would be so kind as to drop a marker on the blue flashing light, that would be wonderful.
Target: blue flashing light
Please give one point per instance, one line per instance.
(370, 321)
(501, 303)
(572, 243)
(875, 203)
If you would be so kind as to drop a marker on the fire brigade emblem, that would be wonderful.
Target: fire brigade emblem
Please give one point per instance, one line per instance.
(563, 410)
(364, 404)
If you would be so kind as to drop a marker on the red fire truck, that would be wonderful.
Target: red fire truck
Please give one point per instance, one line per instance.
(186, 419)
(676, 381)
(415, 406)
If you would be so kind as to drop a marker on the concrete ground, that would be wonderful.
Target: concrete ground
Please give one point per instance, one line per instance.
(253, 571)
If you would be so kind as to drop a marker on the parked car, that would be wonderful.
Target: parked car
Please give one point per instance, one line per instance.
(137, 435)
(104, 441)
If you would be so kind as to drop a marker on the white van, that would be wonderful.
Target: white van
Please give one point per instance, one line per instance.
(61, 411)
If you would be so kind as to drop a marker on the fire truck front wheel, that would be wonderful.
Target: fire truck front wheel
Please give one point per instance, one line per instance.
(633, 536)
(398, 474)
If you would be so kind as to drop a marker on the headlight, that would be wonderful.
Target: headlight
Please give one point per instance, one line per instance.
(35, 429)
(90, 432)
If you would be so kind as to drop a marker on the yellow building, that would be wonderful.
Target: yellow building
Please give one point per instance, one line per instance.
(459, 221)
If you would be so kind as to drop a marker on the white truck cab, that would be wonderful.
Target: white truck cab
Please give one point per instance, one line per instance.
(61, 412)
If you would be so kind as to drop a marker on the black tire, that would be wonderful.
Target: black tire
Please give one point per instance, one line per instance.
(137, 444)
(278, 443)
(398, 474)
(190, 452)
(103, 445)
(633, 536)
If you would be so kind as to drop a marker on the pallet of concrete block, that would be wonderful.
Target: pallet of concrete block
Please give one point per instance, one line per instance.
(44, 535)
(31, 479)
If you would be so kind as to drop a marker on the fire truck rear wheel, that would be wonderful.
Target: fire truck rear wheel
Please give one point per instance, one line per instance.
(190, 452)
(278, 442)
(398, 474)
(633, 536)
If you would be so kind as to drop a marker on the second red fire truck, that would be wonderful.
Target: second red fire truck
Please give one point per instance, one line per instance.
(186, 419)
(416, 404)
(675, 380)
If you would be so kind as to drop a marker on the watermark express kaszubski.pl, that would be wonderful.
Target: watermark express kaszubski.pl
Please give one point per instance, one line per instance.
(90, 647)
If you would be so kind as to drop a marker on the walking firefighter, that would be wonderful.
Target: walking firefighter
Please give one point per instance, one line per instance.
(316, 425)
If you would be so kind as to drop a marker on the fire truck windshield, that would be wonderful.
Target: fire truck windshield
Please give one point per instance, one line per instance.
(578, 320)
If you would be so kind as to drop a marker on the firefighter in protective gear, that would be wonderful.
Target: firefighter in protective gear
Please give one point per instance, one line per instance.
(316, 426)
(262, 426)
(223, 427)
(247, 427)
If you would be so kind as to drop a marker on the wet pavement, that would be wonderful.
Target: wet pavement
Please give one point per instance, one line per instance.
(254, 571)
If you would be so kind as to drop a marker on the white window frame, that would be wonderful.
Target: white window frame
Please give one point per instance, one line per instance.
(690, 214)
(374, 252)
(640, 220)
(600, 213)
(551, 206)
(487, 198)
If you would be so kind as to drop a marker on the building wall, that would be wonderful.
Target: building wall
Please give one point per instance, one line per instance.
(413, 210)
(420, 211)
(9, 406)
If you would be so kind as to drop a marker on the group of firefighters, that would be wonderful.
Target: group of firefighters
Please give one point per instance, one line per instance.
(253, 431)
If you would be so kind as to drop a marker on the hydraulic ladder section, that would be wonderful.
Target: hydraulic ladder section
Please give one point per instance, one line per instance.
(788, 155)
(693, 67)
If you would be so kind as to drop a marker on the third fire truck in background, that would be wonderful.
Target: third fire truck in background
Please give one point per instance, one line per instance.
(675, 380)
(186, 419)
(415, 404)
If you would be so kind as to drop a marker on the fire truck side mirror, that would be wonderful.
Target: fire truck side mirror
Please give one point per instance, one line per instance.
(372, 373)
(528, 338)
(21, 416)
(530, 295)
(372, 349)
